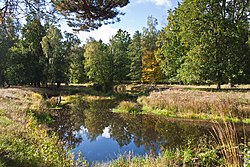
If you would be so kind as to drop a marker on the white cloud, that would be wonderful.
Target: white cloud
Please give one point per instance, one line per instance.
(104, 33)
(167, 3)
(106, 133)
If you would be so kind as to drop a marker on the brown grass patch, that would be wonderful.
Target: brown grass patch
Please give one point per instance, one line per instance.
(235, 104)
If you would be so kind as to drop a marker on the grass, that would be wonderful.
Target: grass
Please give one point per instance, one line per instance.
(193, 104)
(228, 144)
(127, 106)
(23, 141)
(204, 155)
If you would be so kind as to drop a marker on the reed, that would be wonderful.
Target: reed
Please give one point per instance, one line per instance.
(227, 143)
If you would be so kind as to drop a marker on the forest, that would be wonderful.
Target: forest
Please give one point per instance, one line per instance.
(204, 42)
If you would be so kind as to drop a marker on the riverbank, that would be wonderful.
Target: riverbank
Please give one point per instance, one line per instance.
(193, 103)
(24, 141)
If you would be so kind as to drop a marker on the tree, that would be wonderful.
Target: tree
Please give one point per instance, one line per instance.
(15, 10)
(206, 41)
(75, 56)
(32, 35)
(151, 71)
(56, 68)
(91, 14)
(170, 50)
(135, 55)
(5, 44)
(98, 63)
(217, 39)
(119, 50)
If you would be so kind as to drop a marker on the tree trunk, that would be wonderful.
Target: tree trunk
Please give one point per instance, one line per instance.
(219, 78)
(219, 86)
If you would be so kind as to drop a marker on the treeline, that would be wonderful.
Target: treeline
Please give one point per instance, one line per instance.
(205, 42)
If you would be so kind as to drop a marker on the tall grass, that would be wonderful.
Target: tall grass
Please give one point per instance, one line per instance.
(23, 141)
(227, 143)
(198, 103)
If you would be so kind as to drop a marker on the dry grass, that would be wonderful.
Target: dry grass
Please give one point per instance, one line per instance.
(181, 102)
(24, 142)
(228, 144)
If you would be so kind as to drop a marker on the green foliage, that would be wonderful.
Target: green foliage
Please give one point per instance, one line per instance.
(119, 49)
(30, 146)
(23, 141)
(135, 56)
(98, 63)
(186, 156)
(205, 41)
(5, 44)
(75, 58)
(55, 56)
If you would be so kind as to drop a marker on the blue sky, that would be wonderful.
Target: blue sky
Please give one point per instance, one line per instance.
(135, 18)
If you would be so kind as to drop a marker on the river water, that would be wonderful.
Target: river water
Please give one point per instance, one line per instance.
(101, 135)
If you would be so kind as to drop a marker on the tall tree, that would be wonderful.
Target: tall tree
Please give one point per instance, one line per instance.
(32, 34)
(56, 62)
(151, 71)
(135, 55)
(5, 44)
(119, 50)
(75, 56)
(170, 50)
(98, 63)
(210, 39)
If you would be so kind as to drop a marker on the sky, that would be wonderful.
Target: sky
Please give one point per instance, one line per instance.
(135, 18)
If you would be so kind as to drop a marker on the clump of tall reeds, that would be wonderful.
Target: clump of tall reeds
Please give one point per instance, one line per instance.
(227, 143)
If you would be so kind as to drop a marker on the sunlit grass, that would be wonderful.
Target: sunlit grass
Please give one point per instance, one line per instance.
(127, 106)
(198, 104)
(23, 141)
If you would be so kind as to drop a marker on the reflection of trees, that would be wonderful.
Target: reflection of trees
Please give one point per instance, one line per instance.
(152, 132)
(96, 122)
(66, 123)
(119, 130)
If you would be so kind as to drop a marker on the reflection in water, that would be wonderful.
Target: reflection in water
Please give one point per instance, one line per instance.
(101, 135)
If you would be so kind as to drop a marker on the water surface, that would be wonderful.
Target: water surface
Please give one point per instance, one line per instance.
(101, 135)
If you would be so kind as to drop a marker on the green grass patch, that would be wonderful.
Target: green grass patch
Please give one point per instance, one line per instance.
(127, 106)
(4, 121)
(246, 121)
